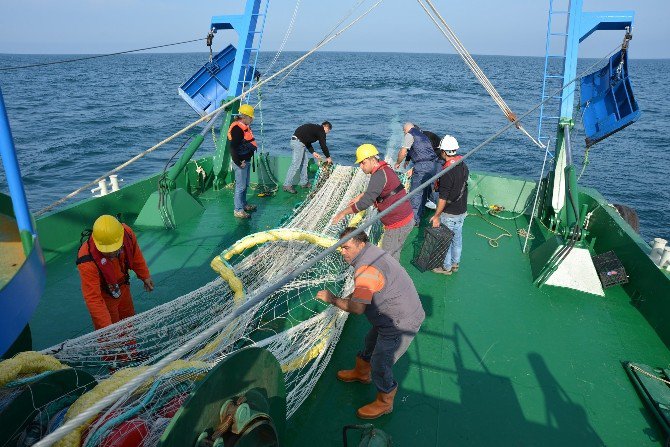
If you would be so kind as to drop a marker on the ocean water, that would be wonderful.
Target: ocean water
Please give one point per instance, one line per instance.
(73, 122)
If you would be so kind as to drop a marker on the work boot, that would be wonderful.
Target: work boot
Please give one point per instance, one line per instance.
(290, 189)
(249, 208)
(305, 186)
(360, 373)
(241, 214)
(382, 405)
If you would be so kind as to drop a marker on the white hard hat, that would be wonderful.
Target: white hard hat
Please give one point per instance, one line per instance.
(449, 144)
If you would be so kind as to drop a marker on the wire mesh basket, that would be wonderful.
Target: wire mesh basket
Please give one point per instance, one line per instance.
(436, 241)
(610, 270)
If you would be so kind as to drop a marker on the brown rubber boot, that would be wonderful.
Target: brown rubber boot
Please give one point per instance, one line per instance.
(382, 405)
(360, 373)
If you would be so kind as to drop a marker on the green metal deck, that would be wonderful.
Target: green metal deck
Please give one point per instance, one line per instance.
(500, 362)
(178, 260)
(497, 362)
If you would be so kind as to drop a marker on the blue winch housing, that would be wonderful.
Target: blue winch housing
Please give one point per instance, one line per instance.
(607, 100)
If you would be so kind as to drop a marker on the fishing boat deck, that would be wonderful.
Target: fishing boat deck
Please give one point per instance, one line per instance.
(497, 361)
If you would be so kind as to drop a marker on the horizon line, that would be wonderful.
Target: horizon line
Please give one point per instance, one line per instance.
(303, 52)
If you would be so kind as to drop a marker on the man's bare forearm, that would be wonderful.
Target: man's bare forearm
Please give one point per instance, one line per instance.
(441, 205)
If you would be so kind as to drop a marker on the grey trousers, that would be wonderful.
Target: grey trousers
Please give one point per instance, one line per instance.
(394, 239)
(382, 351)
(299, 161)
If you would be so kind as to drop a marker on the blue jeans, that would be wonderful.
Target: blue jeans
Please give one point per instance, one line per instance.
(299, 161)
(455, 224)
(241, 185)
(422, 172)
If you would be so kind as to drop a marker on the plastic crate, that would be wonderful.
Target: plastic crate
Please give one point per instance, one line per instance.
(610, 270)
(436, 241)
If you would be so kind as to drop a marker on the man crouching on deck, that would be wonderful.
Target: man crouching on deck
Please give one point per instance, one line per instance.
(384, 291)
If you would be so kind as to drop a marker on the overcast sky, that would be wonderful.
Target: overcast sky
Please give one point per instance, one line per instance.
(509, 27)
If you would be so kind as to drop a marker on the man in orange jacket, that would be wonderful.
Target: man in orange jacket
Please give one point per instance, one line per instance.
(103, 262)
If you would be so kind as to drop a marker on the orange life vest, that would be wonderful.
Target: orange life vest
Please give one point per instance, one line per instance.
(111, 284)
(248, 135)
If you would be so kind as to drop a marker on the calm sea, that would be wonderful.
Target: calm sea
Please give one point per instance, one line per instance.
(73, 122)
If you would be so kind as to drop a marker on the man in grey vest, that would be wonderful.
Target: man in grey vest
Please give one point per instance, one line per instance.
(384, 291)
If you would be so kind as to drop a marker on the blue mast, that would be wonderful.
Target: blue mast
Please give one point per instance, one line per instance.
(19, 297)
(560, 208)
(580, 25)
(14, 182)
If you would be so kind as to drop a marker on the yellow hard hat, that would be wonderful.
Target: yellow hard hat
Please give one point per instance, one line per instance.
(246, 109)
(107, 234)
(365, 151)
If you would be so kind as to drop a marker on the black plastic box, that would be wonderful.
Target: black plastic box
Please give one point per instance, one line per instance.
(610, 270)
(436, 241)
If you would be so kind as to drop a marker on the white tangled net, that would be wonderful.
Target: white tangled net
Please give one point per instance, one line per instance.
(300, 331)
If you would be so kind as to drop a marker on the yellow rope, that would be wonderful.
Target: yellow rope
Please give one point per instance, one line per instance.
(226, 272)
(280, 234)
(220, 263)
(660, 379)
(106, 387)
(493, 241)
(27, 363)
(312, 353)
(358, 217)
(306, 358)
(493, 210)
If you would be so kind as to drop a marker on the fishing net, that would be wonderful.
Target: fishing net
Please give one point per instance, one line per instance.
(298, 329)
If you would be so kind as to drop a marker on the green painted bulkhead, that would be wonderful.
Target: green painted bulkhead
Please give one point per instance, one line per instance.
(497, 361)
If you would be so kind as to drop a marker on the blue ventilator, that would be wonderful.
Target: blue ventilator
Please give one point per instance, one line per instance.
(607, 100)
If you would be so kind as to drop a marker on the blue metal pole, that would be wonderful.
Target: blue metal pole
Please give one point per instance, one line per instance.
(571, 52)
(14, 181)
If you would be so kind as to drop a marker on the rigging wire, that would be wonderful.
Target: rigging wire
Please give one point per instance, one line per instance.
(476, 70)
(213, 113)
(85, 58)
(257, 296)
(328, 34)
(287, 34)
(537, 196)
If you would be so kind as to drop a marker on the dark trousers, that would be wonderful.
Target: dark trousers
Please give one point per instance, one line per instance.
(422, 172)
(382, 351)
